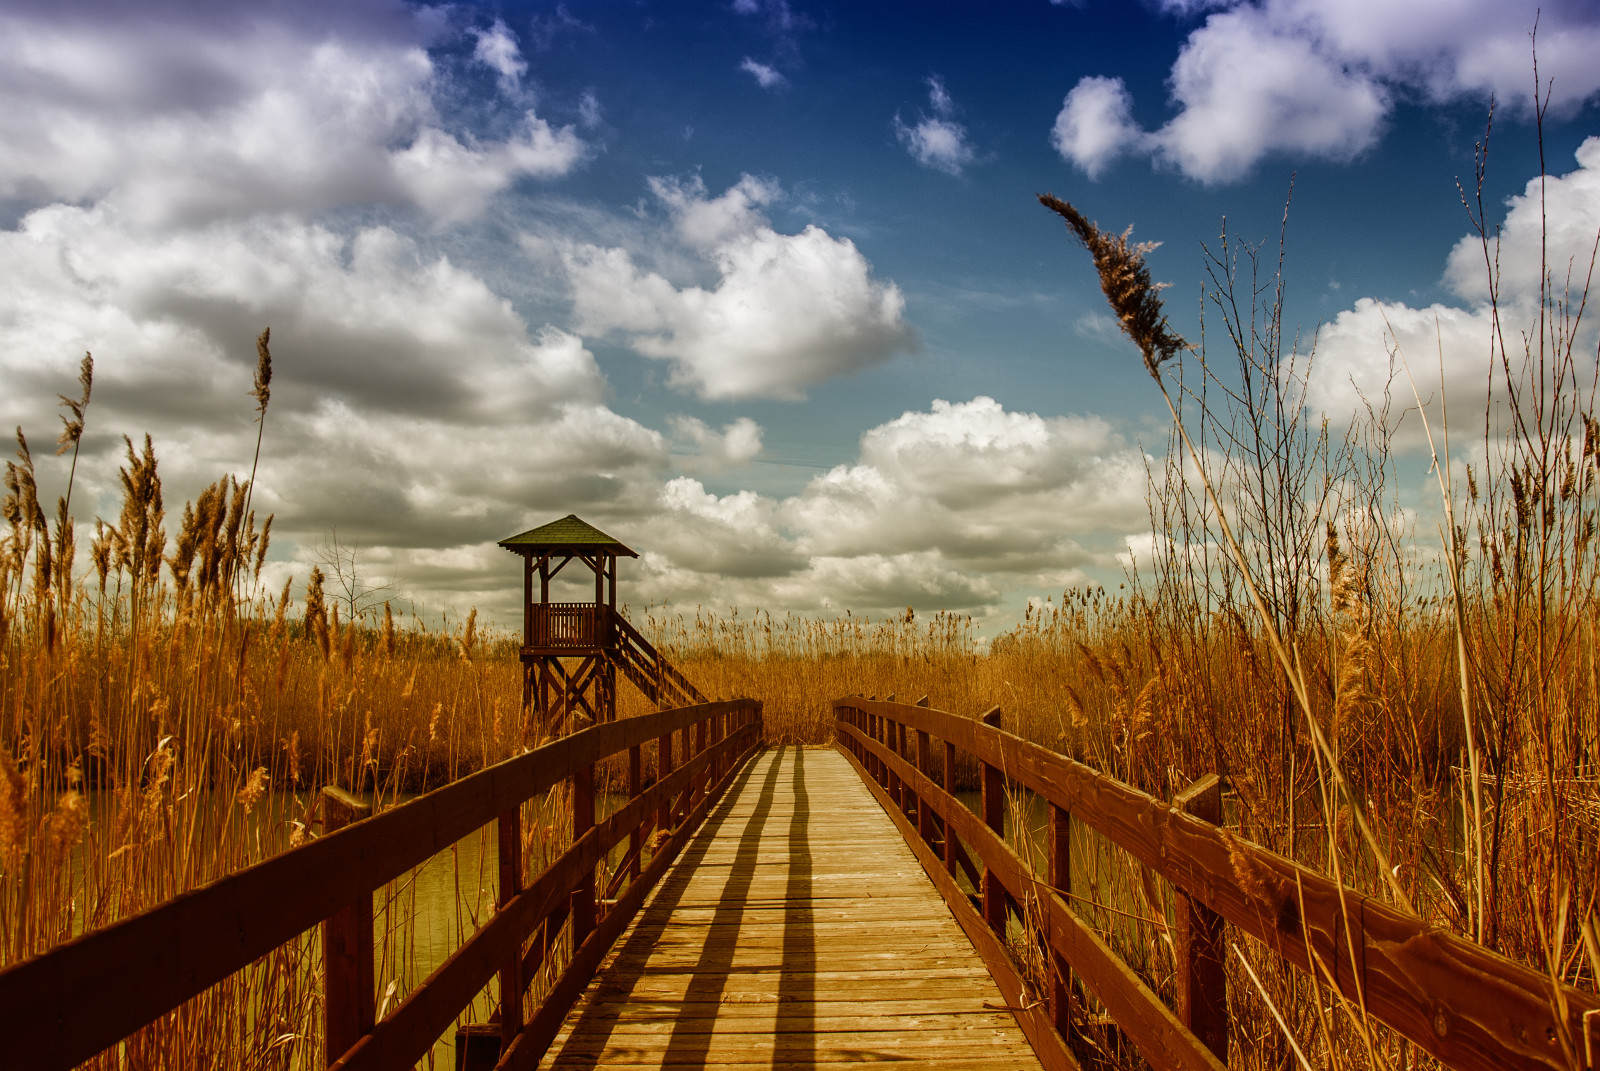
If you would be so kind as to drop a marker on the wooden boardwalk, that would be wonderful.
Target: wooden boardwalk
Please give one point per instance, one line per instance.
(796, 930)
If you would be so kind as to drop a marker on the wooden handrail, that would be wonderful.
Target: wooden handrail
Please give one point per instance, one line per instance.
(1467, 1006)
(133, 971)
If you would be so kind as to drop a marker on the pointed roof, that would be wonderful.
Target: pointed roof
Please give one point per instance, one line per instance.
(570, 535)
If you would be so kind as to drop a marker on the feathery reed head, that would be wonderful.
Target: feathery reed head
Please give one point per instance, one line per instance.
(1126, 282)
(263, 389)
(72, 430)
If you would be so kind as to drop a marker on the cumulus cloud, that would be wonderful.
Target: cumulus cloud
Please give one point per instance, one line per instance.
(1096, 124)
(181, 120)
(787, 311)
(737, 444)
(948, 508)
(1448, 348)
(936, 140)
(766, 76)
(1308, 78)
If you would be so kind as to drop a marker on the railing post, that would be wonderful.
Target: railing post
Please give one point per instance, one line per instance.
(949, 773)
(349, 995)
(1202, 979)
(702, 778)
(925, 765)
(664, 820)
(1059, 851)
(994, 816)
(635, 786)
(508, 832)
(582, 900)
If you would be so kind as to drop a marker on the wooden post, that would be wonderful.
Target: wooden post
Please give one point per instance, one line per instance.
(925, 764)
(350, 998)
(665, 819)
(635, 786)
(1202, 980)
(701, 779)
(1059, 850)
(994, 816)
(582, 901)
(949, 787)
(508, 833)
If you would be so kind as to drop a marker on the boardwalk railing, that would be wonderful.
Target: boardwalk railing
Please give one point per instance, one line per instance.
(65, 1006)
(1469, 1007)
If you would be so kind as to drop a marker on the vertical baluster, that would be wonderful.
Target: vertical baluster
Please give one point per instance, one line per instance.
(1059, 851)
(635, 786)
(582, 901)
(508, 834)
(949, 774)
(925, 765)
(1202, 979)
(349, 997)
(664, 819)
(994, 816)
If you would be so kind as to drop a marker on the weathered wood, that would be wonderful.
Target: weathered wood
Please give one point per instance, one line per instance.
(1405, 974)
(994, 816)
(409, 1031)
(1149, 1024)
(1058, 856)
(794, 931)
(508, 837)
(1202, 977)
(133, 971)
(349, 998)
(1048, 1045)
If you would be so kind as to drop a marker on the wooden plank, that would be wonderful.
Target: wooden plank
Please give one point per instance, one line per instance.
(796, 929)
(1467, 1006)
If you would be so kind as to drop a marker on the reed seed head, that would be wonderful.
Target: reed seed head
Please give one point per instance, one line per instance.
(1125, 279)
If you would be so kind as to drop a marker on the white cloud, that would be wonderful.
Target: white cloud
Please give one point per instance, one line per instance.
(191, 120)
(738, 443)
(497, 49)
(787, 310)
(766, 76)
(1310, 78)
(937, 140)
(1096, 124)
(1448, 349)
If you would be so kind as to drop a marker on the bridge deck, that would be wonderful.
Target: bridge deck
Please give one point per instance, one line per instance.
(796, 930)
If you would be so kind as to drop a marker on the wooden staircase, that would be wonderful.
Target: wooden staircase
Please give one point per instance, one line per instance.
(649, 669)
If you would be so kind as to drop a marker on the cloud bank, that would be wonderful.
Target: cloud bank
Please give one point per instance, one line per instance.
(1314, 79)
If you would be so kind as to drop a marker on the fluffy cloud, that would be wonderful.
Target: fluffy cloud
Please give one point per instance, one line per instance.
(787, 310)
(1448, 348)
(1259, 77)
(950, 508)
(497, 49)
(936, 140)
(1096, 124)
(183, 120)
(737, 444)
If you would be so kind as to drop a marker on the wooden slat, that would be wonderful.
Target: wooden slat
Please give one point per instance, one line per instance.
(795, 929)
(1465, 1005)
(135, 970)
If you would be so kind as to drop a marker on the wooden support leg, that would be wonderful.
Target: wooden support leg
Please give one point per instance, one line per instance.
(1202, 980)
(350, 998)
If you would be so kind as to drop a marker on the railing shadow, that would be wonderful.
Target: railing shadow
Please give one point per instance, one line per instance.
(795, 1040)
(593, 1026)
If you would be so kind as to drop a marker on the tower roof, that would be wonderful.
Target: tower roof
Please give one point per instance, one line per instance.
(571, 534)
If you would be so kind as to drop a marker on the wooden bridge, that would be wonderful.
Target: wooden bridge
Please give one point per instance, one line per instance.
(788, 908)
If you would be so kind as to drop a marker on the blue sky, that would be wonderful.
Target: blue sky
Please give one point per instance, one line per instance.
(760, 287)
